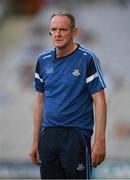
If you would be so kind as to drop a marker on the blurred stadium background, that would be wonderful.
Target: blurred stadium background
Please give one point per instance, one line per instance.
(104, 28)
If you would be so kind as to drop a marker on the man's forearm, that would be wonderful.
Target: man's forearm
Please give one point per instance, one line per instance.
(37, 119)
(100, 115)
(100, 120)
(99, 146)
(36, 125)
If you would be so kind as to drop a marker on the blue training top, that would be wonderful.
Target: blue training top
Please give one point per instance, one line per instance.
(68, 83)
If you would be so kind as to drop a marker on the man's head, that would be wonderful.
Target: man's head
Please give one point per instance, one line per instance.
(68, 14)
(62, 29)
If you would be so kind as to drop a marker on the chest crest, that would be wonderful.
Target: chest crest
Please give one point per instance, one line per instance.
(76, 72)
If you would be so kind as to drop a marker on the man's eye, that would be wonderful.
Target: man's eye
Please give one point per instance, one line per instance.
(53, 29)
(63, 29)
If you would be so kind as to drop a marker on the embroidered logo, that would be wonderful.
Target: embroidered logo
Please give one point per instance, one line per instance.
(80, 167)
(76, 72)
(49, 70)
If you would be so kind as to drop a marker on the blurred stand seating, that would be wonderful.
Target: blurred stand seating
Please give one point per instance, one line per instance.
(104, 29)
(27, 7)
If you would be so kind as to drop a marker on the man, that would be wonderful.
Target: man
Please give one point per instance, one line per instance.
(68, 80)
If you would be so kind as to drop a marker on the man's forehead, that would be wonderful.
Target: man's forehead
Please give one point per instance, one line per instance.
(59, 18)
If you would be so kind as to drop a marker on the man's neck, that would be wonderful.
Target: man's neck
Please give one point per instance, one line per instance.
(66, 51)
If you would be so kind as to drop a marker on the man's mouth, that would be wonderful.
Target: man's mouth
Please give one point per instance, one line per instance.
(58, 40)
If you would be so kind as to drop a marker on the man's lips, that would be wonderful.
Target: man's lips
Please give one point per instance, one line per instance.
(58, 40)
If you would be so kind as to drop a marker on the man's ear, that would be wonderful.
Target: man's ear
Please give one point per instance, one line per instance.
(75, 31)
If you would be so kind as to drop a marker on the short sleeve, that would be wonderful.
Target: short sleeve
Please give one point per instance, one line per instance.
(94, 77)
(38, 81)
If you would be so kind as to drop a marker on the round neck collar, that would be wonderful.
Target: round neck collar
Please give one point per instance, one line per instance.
(67, 54)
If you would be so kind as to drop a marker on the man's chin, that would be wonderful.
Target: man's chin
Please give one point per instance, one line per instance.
(60, 46)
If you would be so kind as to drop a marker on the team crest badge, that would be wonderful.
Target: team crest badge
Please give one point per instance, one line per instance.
(80, 167)
(76, 72)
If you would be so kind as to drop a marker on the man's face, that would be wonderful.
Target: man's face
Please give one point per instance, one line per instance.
(62, 31)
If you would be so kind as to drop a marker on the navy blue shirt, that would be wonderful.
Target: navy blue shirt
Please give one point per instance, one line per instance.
(68, 83)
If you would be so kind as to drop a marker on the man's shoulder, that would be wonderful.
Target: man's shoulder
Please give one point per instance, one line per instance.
(87, 51)
(46, 54)
(87, 54)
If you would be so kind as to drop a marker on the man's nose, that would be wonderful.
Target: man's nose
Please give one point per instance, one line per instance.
(58, 33)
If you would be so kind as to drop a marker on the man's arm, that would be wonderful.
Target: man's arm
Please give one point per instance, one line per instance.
(99, 147)
(37, 118)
